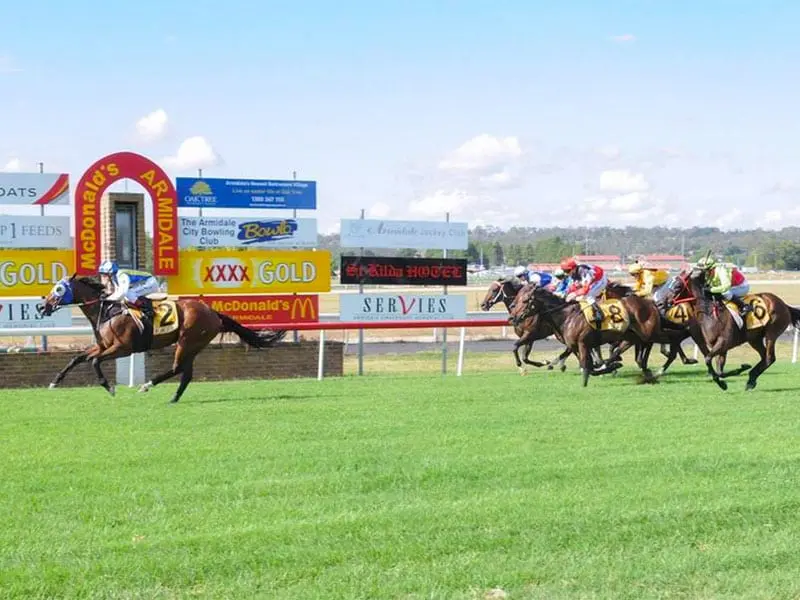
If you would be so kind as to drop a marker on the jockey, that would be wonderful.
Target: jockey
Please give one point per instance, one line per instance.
(539, 278)
(129, 286)
(726, 281)
(647, 279)
(588, 282)
(561, 283)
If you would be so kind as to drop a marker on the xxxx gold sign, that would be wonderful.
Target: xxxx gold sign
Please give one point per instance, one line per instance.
(33, 272)
(251, 272)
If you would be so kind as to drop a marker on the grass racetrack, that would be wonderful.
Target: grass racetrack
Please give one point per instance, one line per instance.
(406, 486)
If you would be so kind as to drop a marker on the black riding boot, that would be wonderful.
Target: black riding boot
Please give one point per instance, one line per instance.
(743, 307)
(147, 308)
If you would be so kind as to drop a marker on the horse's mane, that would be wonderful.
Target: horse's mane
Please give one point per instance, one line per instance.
(92, 283)
(619, 288)
(548, 298)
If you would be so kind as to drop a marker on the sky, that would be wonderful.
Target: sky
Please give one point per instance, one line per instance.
(505, 113)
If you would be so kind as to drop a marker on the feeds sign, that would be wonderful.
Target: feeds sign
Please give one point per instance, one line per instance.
(88, 192)
(411, 307)
(428, 235)
(33, 272)
(252, 272)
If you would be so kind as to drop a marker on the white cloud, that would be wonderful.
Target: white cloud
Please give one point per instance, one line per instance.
(623, 181)
(9, 65)
(772, 219)
(379, 210)
(441, 202)
(193, 153)
(623, 38)
(485, 154)
(730, 220)
(12, 166)
(153, 126)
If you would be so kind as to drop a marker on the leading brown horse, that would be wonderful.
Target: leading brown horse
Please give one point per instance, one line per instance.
(719, 332)
(189, 323)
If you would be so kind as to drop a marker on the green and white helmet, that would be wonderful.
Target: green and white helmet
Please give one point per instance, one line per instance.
(706, 263)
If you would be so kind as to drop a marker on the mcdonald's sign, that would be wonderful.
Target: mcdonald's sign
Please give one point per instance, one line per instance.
(252, 309)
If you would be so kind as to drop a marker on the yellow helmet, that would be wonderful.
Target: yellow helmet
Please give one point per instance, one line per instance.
(635, 268)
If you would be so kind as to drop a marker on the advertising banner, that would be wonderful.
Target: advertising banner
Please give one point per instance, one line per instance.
(238, 232)
(246, 193)
(21, 314)
(26, 273)
(424, 235)
(398, 307)
(252, 309)
(34, 232)
(35, 189)
(403, 271)
(254, 271)
(90, 188)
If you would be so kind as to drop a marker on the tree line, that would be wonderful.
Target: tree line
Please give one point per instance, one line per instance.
(519, 245)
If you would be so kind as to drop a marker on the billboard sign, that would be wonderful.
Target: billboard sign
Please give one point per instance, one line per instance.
(20, 314)
(34, 189)
(279, 308)
(246, 193)
(238, 232)
(398, 307)
(18, 231)
(403, 271)
(27, 273)
(254, 271)
(88, 192)
(425, 235)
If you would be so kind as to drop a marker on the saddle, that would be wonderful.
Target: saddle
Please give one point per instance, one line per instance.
(615, 316)
(164, 319)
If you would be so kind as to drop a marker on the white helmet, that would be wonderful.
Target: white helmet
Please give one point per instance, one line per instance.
(559, 273)
(519, 271)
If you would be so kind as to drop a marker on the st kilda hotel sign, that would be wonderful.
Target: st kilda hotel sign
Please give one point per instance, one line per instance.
(386, 270)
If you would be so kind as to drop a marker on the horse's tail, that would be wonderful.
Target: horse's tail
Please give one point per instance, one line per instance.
(256, 339)
(795, 312)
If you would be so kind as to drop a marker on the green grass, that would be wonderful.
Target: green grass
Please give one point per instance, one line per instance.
(411, 486)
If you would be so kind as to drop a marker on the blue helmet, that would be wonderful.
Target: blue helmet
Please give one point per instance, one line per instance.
(109, 267)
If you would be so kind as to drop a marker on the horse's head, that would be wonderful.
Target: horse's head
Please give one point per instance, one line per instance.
(503, 289)
(69, 290)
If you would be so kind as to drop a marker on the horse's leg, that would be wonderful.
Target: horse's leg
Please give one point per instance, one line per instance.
(515, 351)
(560, 359)
(585, 360)
(76, 360)
(645, 357)
(737, 371)
(105, 355)
(709, 357)
(187, 369)
(101, 377)
(527, 361)
(674, 348)
(766, 350)
(160, 378)
(684, 359)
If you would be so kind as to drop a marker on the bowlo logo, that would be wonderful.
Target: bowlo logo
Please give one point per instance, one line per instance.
(200, 188)
(266, 231)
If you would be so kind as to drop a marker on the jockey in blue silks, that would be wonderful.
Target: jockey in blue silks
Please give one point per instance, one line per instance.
(539, 278)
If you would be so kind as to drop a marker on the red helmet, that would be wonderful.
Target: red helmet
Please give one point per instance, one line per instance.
(569, 264)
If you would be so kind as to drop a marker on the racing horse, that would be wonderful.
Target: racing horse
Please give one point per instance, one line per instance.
(717, 327)
(190, 324)
(529, 330)
(629, 318)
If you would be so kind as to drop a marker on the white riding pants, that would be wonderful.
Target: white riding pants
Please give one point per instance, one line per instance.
(596, 289)
(142, 288)
(738, 291)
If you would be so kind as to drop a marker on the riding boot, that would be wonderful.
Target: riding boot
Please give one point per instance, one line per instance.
(147, 307)
(598, 314)
(743, 307)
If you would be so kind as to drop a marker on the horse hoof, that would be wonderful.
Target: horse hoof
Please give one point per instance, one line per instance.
(722, 385)
(660, 372)
(174, 401)
(112, 390)
(52, 386)
(563, 368)
(145, 387)
(751, 385)
(523, 371)
(690, 361)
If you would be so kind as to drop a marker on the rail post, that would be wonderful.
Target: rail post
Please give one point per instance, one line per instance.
(461, 336)
(321, 357)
